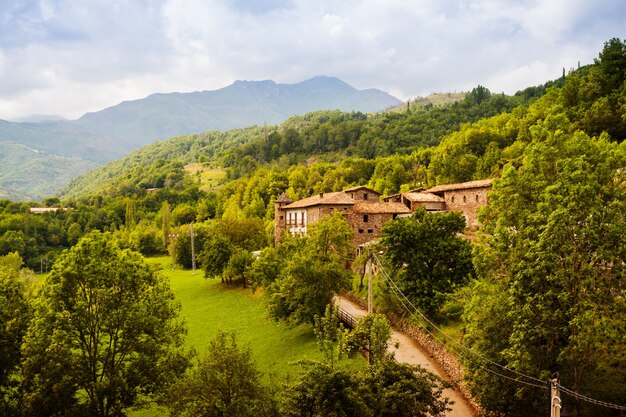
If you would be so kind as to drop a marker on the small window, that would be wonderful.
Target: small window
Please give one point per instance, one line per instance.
(464, 199)
(395, 216)
(360, 230)
(364, 196)
(370, 230)
(281, 217)
(452, 199)
(365, 218)
(477, 198)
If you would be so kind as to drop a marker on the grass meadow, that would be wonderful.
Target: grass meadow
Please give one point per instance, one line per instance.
(208, 307)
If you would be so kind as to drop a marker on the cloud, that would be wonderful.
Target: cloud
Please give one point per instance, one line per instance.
(67, 57)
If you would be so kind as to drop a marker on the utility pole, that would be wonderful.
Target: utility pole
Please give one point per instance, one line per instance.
(370, 307)
(368, 272)
(193, 251)
(555, 398)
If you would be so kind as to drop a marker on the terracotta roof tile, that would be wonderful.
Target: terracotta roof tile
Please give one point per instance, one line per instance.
(284, 199)
(378, 207)
(338, 197)
(461, 186)
(361, 187)
(423, 198)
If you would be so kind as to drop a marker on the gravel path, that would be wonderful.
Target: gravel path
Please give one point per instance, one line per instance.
(409, 352)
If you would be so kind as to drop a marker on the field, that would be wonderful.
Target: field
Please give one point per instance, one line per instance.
(210, 178)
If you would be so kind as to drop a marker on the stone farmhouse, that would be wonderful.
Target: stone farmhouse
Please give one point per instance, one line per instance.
(361, 207)
(465, 197)
(366, 213)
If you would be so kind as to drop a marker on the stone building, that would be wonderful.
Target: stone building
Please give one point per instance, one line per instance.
(361, 206)
(366, 214)
(465, 197)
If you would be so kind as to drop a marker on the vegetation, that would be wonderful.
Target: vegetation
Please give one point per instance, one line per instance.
(105, 330)
(225, 383)
(428, 257)
(541, 291)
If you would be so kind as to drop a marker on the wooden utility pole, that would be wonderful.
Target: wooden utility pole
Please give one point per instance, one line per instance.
(555, 398)
(193, 251)
(368, 272)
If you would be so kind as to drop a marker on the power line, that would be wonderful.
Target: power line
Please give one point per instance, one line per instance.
(459, 353)
(590, 400)
(401, 297)
(424, 317)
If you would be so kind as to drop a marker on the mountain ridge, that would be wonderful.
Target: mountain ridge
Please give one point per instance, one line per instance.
(108, 134)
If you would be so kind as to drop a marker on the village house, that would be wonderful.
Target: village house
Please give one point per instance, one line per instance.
(366, 213)
(464, 197)
(361, 206)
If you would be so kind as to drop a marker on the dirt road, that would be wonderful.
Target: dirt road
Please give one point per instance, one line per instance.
(408, 351)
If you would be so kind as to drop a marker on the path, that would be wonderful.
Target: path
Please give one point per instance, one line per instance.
(407, 351)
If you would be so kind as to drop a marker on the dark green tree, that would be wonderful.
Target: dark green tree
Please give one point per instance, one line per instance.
(428, 257)
(105, 331)
(225, 383)
(313, 274)
(15, 313)
(552, 298)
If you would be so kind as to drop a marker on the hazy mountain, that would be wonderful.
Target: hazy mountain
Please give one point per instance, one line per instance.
(39, 118)
(241, 104)
(105, 135)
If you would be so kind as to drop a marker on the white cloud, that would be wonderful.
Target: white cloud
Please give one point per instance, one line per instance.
(67, 57)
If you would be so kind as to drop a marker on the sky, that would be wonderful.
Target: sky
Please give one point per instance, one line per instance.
(68, 57)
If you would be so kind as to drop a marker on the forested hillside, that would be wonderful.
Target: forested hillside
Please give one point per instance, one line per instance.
(545, 293)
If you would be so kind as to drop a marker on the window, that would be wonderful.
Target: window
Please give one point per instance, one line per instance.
(477, 198)
(365, 218)
(370, 230)
(364, 196)
(360, 230)
(452, 199)
(395, 216)
(464, 199)
(281, 217)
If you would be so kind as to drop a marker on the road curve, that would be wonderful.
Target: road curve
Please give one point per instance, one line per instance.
(406, 350)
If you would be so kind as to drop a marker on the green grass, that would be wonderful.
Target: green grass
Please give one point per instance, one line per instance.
(210, 178)
(208, 307)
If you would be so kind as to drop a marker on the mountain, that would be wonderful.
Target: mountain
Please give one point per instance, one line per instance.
(103, 136)
(243, 103)
(39, 118)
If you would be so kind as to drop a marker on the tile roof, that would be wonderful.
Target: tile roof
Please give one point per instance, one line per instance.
(378, 208)
(361, 187)
(284, 199)
(461, 186)
(423, 198)
(338, 197)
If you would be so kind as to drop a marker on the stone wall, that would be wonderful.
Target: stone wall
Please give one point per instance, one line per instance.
(467, 201)
(367, 226)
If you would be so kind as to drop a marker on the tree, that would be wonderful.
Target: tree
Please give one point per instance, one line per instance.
(105, 330)
(305, 288)
(237, 269)
(314, 273)
(225, 383)
(14, 317)
(428, 257)
(324, 391)
(401, 390)
(215, 255)
(371, 334)
(386, 388)
(551, 298)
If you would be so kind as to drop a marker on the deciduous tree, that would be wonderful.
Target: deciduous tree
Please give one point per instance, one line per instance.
(105, 331)
(428, 257)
